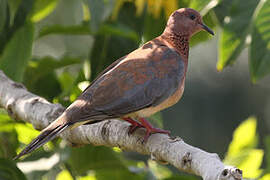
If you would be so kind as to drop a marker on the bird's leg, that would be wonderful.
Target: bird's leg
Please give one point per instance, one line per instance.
(134, 124)
(150, 129)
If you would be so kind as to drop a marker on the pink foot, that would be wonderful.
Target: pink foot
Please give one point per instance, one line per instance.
(151, 130)
(134, 125)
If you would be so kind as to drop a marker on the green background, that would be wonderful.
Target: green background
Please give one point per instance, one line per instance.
(57, 47)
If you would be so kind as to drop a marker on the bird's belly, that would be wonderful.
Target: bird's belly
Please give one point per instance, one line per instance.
(165, 104)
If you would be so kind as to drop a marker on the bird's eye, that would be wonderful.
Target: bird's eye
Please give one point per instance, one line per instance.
(192, 16)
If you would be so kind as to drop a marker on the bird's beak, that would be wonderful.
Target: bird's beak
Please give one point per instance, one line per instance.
(206, 28)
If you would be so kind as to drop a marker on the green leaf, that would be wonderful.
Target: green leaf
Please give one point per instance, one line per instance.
(106, 163)
(108, 47)
(8, 143)
(236, 27)
(26, 133)
(242, 150)
(182, 177)
(6, 124)
(40, 67)
(17, 53)
(8, 136)
(157, 119)
(243, 140)
(42, 9)
(128, 17)
(99, 10)
(252, 163)
(116, 29)
(260, 45)
(204, 5)
(247, 160)
(222, 10)
(64, 175)
(96, 8)
(3, 13)
(40, 70)
(65, 30)
(116, 174)
(265, 177)
(4, 24)
(22, 12)
(19, 21)
(159, 171)
(13, 7)
(87, 177)
(9, 171)
(97, 158)
(120, 30)
(105, 52)
(47, 86)
(267, 152)
(67, 82)
(153, 27)
(69, 85)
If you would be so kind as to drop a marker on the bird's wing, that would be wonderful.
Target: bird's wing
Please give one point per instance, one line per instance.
(144, 78)
(104, 71)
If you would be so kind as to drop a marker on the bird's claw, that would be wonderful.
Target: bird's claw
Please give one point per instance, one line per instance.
(134, 125)
(150, 131)
(144, 124)
(133, 128)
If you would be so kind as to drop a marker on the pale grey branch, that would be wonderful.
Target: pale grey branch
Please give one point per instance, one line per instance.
(23, 105)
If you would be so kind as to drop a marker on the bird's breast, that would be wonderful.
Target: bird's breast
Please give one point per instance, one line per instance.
(176, 96)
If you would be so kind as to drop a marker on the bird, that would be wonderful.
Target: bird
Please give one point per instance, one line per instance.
(134, 87)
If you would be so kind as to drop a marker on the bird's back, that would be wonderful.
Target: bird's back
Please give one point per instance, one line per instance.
(143, 82)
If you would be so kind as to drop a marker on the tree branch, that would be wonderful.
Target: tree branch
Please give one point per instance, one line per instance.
(23, 105)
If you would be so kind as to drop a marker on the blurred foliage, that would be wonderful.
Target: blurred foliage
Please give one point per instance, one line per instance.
(242, 151)
(113, 28)
(14, 64)
(245, 24)
(9, 171)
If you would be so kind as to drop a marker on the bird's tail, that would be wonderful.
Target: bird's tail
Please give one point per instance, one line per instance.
(49, 133)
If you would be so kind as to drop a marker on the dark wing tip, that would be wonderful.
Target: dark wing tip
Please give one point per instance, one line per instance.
(44, 137)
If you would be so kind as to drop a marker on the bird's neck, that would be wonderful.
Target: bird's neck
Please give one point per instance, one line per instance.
(179, 41)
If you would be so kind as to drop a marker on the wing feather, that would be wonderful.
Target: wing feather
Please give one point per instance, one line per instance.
(135, 84)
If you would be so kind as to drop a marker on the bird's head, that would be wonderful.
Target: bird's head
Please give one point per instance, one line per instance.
(186, 21)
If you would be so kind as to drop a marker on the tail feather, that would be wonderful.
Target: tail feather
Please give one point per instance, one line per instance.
(46, 135)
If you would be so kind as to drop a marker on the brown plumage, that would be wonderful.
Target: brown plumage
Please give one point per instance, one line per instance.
(145, 81)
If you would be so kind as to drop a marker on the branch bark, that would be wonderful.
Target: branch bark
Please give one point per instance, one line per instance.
(23, 105)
